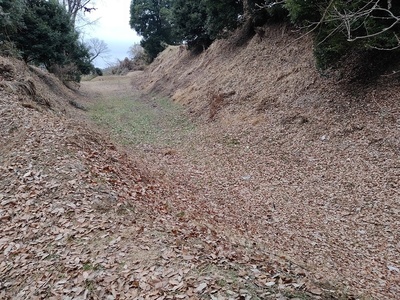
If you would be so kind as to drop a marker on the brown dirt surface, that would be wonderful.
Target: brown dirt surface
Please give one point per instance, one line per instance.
(286, 186)
(82, 218)
(306, 164)
(66, 195)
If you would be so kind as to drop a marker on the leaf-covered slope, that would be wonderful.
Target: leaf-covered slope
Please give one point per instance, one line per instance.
(81, 219)
(275, 70)
(64, 189)
(307, 163)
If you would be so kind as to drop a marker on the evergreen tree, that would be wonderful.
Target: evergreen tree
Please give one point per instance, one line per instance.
(43, 34)
(152, 20)
(189, 19)
(46, 35)
(342, 26)
(200, 22)
(222, 16)
(11, 12)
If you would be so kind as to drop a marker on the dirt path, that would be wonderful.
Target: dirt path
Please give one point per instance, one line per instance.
(80, 219)
(291, 190)
(159, 206)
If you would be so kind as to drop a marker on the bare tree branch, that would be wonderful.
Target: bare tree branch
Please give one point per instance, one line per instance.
(73, 7)
(350, 19)
(270, 4)
(97, 48)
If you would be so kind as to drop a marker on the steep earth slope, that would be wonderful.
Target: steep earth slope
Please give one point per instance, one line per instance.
(287, 185)
(83, 219)
(307, 164)
(66, 194)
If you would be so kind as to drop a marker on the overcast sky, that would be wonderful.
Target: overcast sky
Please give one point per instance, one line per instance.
(113, 28)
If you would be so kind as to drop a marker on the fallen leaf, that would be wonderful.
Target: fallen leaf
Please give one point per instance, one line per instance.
(201, 287)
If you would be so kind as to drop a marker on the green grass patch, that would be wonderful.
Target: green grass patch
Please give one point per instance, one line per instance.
(135, 121)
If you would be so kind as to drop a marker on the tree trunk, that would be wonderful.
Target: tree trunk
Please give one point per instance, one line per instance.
(73, 7)
(246, 10)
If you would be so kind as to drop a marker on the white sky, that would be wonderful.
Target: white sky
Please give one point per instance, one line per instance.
(113, 28)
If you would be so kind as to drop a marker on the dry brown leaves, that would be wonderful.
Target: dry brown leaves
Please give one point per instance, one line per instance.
(303, 197)
(80, 220)
(306, 165)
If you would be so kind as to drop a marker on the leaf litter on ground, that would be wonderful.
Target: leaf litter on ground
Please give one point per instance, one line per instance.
(82, 219)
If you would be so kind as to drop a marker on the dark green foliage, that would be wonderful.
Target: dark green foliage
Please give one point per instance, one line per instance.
(11, 12)
(195, 22)
(329, 50)
(266, 11)
(99, 72)
(189, 23)
(43, 34)
(339, 27)
(46, 33)
(305, 12)
(79, 57)
(152, 20)
(153, 45)
(342, 26)
(222, 16)
(199, 22)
